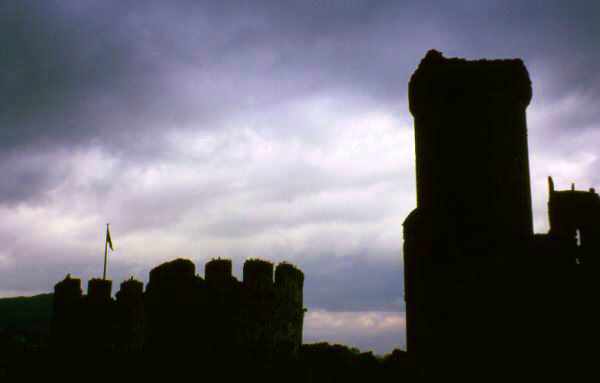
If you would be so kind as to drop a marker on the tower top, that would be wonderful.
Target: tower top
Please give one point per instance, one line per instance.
(503, 79)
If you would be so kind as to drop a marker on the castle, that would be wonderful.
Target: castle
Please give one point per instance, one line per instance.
(484, 294)
(180, 311)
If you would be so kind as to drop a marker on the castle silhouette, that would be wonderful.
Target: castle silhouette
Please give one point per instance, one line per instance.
(182, 312)
(485, 296)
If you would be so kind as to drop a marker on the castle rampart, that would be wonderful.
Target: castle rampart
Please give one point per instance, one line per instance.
(217, 272)
(181, 311)
(258, 274)
(99, 290)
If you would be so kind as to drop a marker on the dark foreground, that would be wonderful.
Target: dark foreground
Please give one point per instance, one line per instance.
(320, 362)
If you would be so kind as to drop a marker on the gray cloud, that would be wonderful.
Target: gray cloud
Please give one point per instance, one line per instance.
(355, 283)
(121, 71)
(378, 331)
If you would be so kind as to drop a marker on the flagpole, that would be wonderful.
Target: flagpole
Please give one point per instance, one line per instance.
(105, 252)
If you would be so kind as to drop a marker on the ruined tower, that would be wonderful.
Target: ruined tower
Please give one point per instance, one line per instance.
(473, 217)
(574, 217)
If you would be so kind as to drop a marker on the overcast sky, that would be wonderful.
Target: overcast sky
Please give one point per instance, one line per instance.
(270, 129)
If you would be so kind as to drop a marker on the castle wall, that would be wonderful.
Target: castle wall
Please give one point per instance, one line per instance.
(214, 318)
(258, 275)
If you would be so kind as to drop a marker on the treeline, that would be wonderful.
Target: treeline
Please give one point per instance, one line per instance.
(324, 362)
(316, 363)
(25, 352)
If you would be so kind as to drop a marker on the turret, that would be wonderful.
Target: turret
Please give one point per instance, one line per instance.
(174, 308)
(172, 272)
(289, 282)
(217, 272)
(131, 291)
(258, 274)
(67, 293)
(99, 316)
(66, 321)
(289, 312)
(130, 315)
(99, 290)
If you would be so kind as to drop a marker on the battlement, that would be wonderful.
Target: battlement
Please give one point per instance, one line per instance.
(289, 283)
(289, 277)
(99, 290)
(69, 289)
(172, 271)
(131, 289)
(286, 273)
(259, 316)
(218, 271)
(578, 196)
(258, 274)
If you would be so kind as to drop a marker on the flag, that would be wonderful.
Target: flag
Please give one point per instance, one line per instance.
(108, 239)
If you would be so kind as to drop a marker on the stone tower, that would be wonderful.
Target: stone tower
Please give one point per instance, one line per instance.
(473, 218)
(471, 145)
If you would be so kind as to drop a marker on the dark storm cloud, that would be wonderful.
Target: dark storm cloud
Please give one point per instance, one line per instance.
(73, 72)
(25, 173)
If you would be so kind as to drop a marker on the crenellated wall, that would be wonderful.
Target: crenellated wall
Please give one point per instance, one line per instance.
(217, 272)
(181, 311)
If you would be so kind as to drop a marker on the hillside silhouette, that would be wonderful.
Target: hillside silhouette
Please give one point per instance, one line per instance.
(33, 312)
(25, 323)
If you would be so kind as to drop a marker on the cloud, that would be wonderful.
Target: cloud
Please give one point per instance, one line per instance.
(378, 331)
